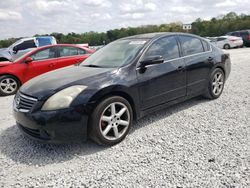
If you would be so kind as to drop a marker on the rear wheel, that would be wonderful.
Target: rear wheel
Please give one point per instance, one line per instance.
(216, 84)
(226, 46)
(111, 120)
(8, 85)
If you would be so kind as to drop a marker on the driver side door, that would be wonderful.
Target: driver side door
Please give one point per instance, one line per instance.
(43, 61)
(161, 83)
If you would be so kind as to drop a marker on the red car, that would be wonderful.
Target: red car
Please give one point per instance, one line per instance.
(39, 61)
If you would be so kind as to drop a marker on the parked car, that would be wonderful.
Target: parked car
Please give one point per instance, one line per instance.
(121, 82)
(23, 46)
(227, 42)
(39, 61)
(244, 34)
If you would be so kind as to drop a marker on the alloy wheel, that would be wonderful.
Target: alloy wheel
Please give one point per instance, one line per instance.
(114, 121)
(218, 83)
(8, 85)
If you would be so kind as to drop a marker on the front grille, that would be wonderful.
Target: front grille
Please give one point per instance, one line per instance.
(24, 103)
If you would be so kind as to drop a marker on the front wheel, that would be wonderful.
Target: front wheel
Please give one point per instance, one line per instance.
(8, 85)
(111, 120)
(226, 46)
(216, 84)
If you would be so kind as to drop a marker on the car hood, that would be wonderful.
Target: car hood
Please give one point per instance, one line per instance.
(52, 82)
(4, 52)
(2, 49)
(5, 63)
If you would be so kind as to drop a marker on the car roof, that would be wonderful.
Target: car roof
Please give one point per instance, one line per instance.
(70, 45)
(246, 30)
(150, 36)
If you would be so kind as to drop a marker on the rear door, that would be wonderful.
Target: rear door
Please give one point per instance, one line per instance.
(199, 60)
(70, 55)
(164, 82)
(43, 61)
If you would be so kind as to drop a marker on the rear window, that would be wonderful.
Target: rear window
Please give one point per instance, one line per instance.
(244, 33)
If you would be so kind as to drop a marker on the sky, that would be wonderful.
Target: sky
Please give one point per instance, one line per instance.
(20, 18)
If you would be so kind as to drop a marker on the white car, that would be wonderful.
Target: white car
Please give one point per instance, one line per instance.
(226, 42)
(23, 46)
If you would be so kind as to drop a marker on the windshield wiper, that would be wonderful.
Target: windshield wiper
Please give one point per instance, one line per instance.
(93, 66)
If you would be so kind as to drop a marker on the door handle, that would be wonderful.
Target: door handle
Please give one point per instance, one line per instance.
(52, 65)
(78, 60)
(210, 59)
(180, 68)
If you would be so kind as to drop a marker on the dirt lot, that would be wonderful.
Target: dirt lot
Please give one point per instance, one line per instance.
(199, 143)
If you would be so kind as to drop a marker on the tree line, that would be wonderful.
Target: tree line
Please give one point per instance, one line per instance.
(215, 27)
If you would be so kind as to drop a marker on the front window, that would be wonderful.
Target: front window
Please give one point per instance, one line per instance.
(115, 54)
(166, 47)
(44, 54)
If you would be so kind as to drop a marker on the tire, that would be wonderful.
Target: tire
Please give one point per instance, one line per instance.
(216, 80)
(8, 85)
(226, 46)
(105, 121)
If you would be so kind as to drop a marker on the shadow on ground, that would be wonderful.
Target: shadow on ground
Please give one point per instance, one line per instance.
(24, 150)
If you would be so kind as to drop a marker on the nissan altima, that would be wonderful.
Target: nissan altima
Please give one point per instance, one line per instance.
(122, 82)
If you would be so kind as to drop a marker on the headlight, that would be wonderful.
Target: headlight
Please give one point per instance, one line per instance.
(63, 98)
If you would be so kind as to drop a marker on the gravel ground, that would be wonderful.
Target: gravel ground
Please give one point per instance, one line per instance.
(198, 143)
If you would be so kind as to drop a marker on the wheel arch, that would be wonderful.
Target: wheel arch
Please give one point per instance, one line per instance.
(8, 74)
(220, 67)
(105, 93)
(3, 59)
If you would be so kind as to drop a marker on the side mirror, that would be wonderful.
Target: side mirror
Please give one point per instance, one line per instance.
(151, 60)
(28, 60)
(15, 49)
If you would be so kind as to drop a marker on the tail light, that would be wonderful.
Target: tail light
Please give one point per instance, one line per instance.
(248, 37)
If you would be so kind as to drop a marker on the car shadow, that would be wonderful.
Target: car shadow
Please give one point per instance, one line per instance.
(24, 150)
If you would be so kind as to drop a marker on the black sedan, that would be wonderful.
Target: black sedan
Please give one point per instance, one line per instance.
(122, 82)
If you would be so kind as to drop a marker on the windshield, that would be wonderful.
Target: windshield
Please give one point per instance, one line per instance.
(115, 54)
(14, 44)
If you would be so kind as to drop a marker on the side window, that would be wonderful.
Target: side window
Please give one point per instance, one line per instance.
(191, 45)
(44, 54)
(243, 33)
(221, 39)
(166, 47)
(237, 34)
(206, 46)
(81, 51)
(26, 44)
(68, 51)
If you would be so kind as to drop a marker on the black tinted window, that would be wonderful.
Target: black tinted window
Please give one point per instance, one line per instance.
(191, 45)
(44, 54)
(243, 33)
(237, 34)
(166, 47)
(26, 44)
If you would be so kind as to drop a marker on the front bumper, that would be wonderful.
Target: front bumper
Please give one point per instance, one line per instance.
(68, 125)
